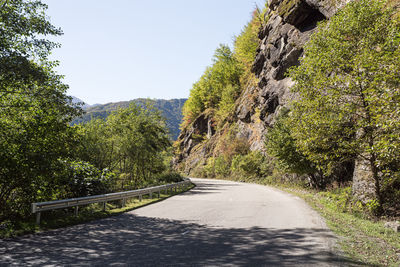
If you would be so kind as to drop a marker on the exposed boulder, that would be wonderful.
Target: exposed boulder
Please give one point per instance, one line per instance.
(395, 226)
(245, 108)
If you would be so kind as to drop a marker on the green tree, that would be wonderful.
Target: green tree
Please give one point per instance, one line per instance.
(281, 145)
(348, 86)
(96, 144)
(140, 137)
(132, 142)
(34, 110)
(247, 43)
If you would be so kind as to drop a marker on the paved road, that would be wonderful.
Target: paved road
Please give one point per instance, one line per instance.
(216, 223)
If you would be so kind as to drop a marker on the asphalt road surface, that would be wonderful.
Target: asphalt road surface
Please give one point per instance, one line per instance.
(218, 223)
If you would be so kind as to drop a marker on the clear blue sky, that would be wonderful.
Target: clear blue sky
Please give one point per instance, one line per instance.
(125, 49)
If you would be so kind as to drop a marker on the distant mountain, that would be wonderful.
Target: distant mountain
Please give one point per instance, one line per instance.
(76, 100)
(171, 110)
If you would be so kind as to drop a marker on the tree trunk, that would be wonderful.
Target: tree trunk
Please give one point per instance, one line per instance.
(378, 192)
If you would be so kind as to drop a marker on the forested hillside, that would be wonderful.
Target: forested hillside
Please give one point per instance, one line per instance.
(307, 95)
(171, 110)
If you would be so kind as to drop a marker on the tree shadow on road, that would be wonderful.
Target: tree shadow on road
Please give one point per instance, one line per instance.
(143, 241)
(209, 188)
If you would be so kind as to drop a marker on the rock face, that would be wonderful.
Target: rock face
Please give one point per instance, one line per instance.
(290, 25)
(193, 136)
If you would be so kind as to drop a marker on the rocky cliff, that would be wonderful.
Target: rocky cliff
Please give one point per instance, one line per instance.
(289, 25)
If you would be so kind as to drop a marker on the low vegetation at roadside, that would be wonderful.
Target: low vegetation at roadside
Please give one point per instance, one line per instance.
(65, 217)
(362, 239)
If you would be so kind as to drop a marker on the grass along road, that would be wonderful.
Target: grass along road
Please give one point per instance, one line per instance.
(65, 217)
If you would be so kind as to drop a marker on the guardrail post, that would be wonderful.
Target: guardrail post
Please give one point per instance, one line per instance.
(38, 218)
(104, 205)
(140, 198)
(76, 211)
(151, 195)
(123, 202)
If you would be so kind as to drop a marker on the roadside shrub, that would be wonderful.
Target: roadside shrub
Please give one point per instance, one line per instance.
(230, 145)
(252, 165)
(81, 179)
(391, 193)
(342, 200)
(281, 145)
(221, 167)
(339, 199)
(169, 177)
(209, 168)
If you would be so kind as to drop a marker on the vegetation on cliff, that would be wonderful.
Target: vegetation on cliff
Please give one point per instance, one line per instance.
(215, 97)
(222, 83)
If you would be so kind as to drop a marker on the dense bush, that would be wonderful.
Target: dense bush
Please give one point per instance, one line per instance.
(281, 146)
(217, 167)
(251, 165)
(391, 194)
(168, 177)
(81, 179)
(242, 167)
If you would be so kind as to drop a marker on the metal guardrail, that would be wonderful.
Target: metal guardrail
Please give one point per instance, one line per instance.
(76, 202)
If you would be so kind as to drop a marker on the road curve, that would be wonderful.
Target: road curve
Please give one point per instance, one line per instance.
(216, 223)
